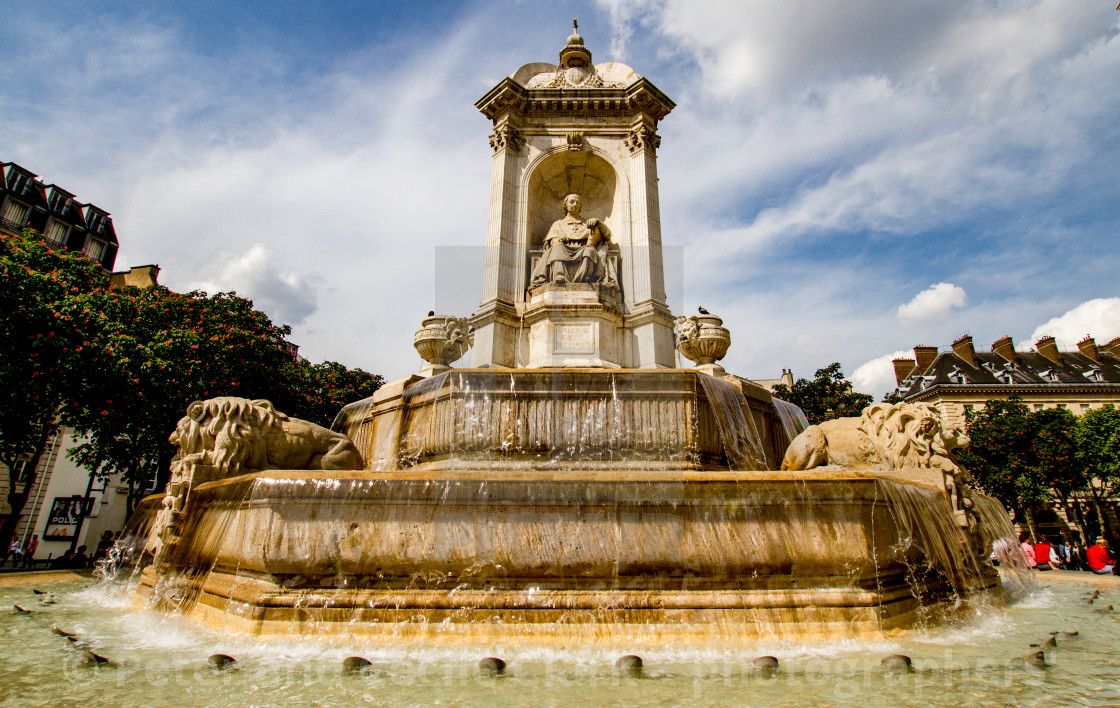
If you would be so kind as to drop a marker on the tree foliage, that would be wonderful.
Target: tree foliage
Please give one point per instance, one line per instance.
(151, 352)
(120, 365)
(1001, 454)
(42, 325)
(317, 392)
(828, 395)
(1098, 443)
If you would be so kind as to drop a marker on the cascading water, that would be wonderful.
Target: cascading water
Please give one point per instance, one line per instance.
(567, 506)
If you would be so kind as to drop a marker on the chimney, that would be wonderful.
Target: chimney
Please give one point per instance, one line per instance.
(1005, 348)
(964, 349)
(1049, 349)
(1113, 347)
(902, 369)
(787, 377)
(1088, 347)
(924, 355)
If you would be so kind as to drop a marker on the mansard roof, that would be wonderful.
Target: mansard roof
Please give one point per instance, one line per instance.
(1031, 371)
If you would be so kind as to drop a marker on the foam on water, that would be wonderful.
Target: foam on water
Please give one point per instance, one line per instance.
(160, 660)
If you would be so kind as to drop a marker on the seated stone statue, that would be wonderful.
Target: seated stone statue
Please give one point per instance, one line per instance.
(577, 251)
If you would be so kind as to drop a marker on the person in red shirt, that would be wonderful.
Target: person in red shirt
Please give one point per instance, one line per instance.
(1042, 555)
(1100, 562)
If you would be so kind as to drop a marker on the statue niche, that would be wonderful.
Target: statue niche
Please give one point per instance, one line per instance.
(577, 251)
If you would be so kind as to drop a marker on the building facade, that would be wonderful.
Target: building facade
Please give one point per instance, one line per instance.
(26, 202)
(960, 379)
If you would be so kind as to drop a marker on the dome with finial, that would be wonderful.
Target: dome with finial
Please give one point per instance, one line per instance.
(574, 53)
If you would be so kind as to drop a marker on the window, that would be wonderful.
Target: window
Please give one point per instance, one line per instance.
(15, 213)
(95, 249)
(56, 232)
(1062, 406)
(1038, 406)
(1085, 407)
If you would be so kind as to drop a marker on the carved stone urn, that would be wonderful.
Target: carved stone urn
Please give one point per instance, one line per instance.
(702, 339)
(441, 340)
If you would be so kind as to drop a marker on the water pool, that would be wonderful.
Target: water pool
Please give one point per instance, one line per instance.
(162, 660)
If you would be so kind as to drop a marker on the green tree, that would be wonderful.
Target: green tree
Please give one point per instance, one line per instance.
(828, 395)
(1023, 458)
(150, 353)
(1098, 444)
(42, 342)
(1055, 451)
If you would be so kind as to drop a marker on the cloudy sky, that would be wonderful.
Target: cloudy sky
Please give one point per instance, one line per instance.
(840, 180)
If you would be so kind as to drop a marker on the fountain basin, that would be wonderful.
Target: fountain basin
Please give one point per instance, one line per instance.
(520, 419)
(566, 556)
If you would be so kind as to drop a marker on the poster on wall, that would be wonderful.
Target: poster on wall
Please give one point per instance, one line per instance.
(65, 513)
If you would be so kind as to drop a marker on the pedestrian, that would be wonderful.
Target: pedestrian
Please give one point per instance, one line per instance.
(1028, 550)
(14, 552)
(29, 552)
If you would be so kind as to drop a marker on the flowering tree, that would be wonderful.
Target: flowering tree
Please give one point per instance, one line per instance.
(150, 352)
(42, 327)
(317, 392)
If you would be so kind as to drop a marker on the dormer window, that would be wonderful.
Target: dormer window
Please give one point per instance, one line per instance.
(18, 182)
(15, 213)
(1094, 374)
(1049, 375)
(95, 249)
(957, 376)
(56, 232)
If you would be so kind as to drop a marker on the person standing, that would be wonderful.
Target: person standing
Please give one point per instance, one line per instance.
(14, 552)
(1028, 550)
(1100, 561)
(29, 551)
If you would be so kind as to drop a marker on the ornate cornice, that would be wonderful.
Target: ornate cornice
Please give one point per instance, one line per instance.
(511, 97)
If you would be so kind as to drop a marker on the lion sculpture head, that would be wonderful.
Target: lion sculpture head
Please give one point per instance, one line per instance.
(227, 433)
(910, 435)
(686, 329)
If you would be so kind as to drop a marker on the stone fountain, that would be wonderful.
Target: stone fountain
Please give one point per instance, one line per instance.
(574, 483)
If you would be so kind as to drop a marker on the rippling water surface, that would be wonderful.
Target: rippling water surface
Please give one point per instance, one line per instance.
(158, 660)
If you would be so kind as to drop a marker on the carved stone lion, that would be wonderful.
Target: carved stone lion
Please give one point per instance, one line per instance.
(236, 434)
(903, 436)
(225, 436)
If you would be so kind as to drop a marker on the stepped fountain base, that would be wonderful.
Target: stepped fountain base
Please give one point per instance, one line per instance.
(565, 556)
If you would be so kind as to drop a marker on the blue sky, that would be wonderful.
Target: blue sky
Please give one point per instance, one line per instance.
(839, 181)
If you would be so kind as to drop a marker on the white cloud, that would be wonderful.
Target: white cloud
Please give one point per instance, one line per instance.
(286, 295)
(820, 154)
(933, 303)
(877, 376)
(1099, 318)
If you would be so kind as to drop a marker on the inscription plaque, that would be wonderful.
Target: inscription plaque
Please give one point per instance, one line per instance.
(574, 338)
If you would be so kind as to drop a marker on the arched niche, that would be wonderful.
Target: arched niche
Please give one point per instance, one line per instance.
(573, 171)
